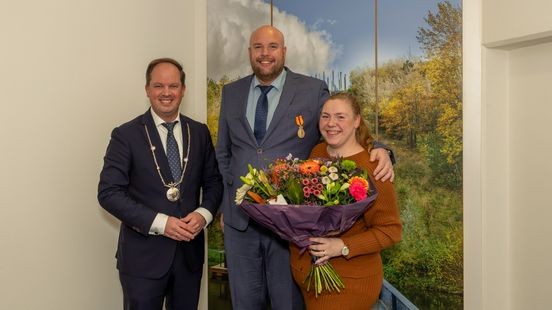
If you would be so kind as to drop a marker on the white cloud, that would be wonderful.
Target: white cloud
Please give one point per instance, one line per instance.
(230, 23)
(320, 22)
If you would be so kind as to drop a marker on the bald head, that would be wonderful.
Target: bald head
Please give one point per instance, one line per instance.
(267, 53)
(267, 30)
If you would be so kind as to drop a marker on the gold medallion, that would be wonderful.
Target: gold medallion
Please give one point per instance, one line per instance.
(300, 122)
(173, 194)
(301, 132)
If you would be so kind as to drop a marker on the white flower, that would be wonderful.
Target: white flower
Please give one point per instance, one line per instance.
(334, 176)
(332, 169)
(240, 193)
(325, 180)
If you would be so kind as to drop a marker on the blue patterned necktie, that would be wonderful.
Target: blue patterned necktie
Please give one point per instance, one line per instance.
(172, 152)
(261, 113)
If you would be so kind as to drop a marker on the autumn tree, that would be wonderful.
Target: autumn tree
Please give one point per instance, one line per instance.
(411, 110)
(391, 77)
(441, 41)
(214, 92)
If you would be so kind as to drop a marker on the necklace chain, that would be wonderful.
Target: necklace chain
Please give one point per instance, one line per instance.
(184, 159)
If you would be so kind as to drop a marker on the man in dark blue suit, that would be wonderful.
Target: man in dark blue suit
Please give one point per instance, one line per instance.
(257, 260)
(161, 180)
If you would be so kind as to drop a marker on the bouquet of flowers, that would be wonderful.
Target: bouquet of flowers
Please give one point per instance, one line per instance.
(299, 199)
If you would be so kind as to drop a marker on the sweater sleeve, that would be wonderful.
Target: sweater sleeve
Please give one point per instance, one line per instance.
(382, 222)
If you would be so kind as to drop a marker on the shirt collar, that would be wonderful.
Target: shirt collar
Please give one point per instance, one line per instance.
(158, 120)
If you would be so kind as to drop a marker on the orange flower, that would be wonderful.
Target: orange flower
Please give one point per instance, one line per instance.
(309, 167)
(256, 197)
(276, 171)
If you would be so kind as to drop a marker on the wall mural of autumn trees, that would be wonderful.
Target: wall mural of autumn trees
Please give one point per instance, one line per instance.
(420, 117)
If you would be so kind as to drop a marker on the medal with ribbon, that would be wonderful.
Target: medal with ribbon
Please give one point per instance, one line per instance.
(299, 122)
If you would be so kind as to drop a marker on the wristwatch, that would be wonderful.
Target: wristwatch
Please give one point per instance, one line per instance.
(345, 251)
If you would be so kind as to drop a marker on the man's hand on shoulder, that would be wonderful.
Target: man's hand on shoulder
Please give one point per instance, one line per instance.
(384, 170)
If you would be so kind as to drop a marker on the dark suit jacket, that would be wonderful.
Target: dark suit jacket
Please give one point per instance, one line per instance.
(131, 190)
(236, 144)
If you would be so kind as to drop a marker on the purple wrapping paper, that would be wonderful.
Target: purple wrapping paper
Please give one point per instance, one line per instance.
(297, 223)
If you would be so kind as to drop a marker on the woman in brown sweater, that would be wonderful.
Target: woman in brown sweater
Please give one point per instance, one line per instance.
(355, 254)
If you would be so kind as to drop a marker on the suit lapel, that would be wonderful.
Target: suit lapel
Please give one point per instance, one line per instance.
(160, 155)
(288, 92)
(241, 101)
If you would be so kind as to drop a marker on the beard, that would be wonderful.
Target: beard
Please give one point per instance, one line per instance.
(266, 75)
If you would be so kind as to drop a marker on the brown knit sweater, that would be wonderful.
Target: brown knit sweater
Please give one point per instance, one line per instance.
(361, 270)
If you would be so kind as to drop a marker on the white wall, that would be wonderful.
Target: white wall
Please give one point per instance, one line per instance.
(530, 127)
(71, 71)
(508, 21)
(507, 121)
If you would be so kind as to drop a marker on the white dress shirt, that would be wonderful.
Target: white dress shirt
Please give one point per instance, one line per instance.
(160, 221)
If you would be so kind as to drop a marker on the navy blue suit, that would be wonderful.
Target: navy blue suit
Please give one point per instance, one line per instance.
(131, 190)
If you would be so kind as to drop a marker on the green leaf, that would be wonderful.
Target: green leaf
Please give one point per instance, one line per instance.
(294, 191)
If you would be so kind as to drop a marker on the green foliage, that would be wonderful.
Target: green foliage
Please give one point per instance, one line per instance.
(430, 256)
(443, 172)
(216, 238)
(450, 128)
(215, 257)
(294, 191)
(214, 92)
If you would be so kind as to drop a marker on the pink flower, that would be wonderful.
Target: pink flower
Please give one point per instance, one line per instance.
(358, 188)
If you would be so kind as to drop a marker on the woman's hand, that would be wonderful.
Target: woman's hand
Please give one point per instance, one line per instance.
(325, 248)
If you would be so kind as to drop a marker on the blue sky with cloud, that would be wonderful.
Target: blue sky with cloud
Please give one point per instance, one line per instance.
(350, 25)
(321, 35)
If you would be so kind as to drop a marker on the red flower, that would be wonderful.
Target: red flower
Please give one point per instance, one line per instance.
(358, 188)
